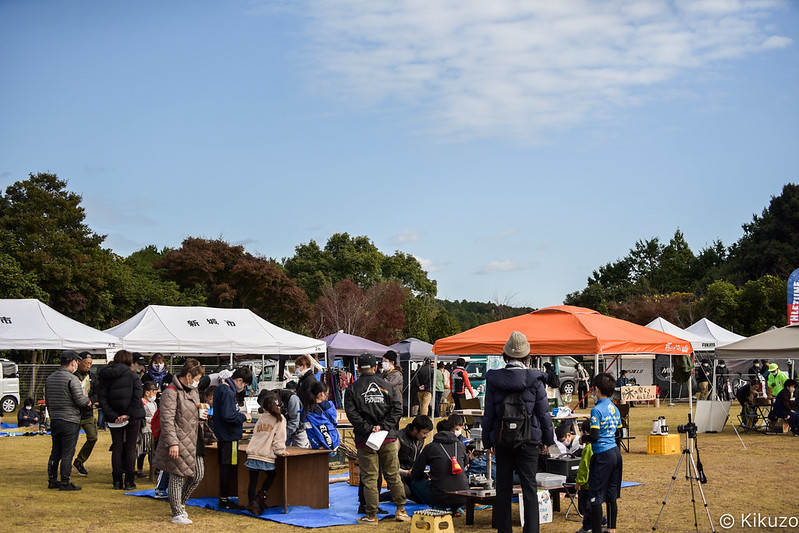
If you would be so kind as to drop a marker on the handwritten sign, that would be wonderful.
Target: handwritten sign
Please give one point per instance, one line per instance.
(638, 393)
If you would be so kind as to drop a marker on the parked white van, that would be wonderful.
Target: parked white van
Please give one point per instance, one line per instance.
(9, 385)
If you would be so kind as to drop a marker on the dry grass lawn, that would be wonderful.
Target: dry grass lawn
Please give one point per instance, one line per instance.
(760, 480)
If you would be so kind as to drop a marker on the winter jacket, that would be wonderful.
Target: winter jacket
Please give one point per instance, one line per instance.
(228, 420)
(27, 416)
(179, 426)
(459, 381)
(583, 471)
(409, 449)
(268, 438)
(394, 378)
(304, 389)
(438, 455)
(425, 377)
(500, 383)
(64, 396)
(371, 401)
(782, 405)
(120, 393)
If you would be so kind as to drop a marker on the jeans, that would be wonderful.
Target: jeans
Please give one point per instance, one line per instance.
(89, 426)
(437, 407)
(371, 461)
(525, 462)
(65, 439)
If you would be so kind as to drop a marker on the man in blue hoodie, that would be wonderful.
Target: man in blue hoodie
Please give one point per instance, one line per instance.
(228, 427)
(517, 444)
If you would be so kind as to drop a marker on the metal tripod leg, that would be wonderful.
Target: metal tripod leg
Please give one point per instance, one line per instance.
(668, 492)
(691, 474)
(692, 463)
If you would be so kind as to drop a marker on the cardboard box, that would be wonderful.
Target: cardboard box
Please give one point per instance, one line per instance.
(544, 507)
(663, 444)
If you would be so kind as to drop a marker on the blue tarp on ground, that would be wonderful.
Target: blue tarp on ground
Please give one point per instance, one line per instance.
(343, 508)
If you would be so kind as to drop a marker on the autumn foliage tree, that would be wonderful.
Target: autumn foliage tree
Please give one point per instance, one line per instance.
(230, 277)
(375, 313)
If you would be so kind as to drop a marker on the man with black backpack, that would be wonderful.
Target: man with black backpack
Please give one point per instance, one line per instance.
(517, 427)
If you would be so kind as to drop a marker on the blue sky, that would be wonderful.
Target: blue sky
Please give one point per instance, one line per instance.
(512, 147)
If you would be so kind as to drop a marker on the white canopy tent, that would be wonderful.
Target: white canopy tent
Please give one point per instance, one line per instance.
(209, 331)
(710, 330)
(700, 343)
(28, 324)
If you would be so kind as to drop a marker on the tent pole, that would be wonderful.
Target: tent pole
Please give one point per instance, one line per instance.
(671, 379)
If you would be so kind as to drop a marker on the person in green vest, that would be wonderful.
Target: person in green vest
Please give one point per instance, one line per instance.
(776, 380)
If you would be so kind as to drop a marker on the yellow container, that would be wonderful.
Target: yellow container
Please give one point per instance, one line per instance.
(431, 521)
(663, 444)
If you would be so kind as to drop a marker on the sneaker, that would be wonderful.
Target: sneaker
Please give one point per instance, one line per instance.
(68, 486)
(255, 508)
(181, 519)
(581, 530)
(402, 516)
(457, 513)
(80, 468)
(53, 484)
(161, 494)
(130, 485)
(368, 519)
(362, 510)
(140, 474)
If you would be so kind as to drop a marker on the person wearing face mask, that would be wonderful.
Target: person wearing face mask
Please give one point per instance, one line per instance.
(88, 424)
(228, 428)
(457, 427)
(120, 397)
(65, 399)
(775, 381)
(303, 368)
(181, 448)
(157, 373)
(145, 443)
(391, 373)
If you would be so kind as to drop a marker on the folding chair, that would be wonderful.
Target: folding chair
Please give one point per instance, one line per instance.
(571, 492)
(623, 431)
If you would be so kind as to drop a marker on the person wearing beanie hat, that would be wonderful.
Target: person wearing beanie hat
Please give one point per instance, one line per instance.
(517, 380)
(776, 380)
(391, 372)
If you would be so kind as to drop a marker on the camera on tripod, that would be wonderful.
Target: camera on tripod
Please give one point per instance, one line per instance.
(689, 428)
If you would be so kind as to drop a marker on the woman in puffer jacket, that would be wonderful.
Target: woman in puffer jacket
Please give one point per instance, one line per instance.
(180, 444)
(120, 394)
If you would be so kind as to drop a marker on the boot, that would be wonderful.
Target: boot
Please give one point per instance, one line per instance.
(130, 480)
(117, 477)
(52, 476)
(261, 499)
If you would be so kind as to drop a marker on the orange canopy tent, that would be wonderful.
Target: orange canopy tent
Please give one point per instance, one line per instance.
(564, 330)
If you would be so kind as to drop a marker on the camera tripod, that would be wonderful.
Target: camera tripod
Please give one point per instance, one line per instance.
(692, 474)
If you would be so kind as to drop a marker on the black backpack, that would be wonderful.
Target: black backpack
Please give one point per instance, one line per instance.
(514, 425)
(553, 380)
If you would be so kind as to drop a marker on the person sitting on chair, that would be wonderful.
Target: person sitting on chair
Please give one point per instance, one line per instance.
(782, 407)
(746, 397)
(623, 380)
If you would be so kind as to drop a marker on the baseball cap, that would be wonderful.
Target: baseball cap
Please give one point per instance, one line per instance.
(138, 359)
(366, 360)
(67, 356)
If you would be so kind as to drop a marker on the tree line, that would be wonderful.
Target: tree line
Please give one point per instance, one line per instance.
(48, 252)
(742, 287)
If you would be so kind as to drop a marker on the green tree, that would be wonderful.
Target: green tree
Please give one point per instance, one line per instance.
(721, 305)
(54, 244)
(770, 244)
(358, 260)
(227, 276)
(761, 305)
(15, 282)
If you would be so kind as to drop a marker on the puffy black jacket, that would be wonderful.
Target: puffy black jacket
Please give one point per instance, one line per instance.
(438, 455)
(500, 383)
(120, 392)
(304, 389)
(372, 401)
(409, 449)
(64, 396)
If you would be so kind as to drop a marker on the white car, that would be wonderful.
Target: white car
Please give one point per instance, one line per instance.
(9, 385)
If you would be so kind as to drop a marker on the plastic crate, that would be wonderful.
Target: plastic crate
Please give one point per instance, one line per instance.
(663, 444)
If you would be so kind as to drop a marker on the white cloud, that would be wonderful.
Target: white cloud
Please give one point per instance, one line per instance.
(507, 68)
(406, 236)
(429, 265)
(508, 265)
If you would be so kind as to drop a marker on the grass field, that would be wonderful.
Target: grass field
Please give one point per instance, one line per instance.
(758, 482)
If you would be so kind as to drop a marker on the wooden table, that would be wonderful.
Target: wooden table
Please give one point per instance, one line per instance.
(302, 478)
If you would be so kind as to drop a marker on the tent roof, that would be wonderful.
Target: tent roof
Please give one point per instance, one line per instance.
(209, 330)
(706, 328)
(28, 324)
(698, 342)
(564, 330)
(771, 343)
(342, 344)
(413, 349)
